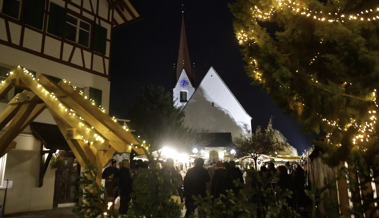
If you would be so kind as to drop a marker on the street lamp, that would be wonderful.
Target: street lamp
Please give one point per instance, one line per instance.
(233, 152)
(195, 151)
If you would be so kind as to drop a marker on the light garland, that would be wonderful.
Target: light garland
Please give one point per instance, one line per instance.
(364, 130)
(90, 135)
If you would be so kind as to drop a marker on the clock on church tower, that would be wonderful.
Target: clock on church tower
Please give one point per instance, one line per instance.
(183, 82)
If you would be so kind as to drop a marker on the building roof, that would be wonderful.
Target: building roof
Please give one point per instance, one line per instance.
(219, 139)
(124, 12)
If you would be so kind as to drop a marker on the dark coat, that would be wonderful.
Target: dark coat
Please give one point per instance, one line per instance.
(236, 174)
(195, 182)
(109, 171)
(124, 182)
(221, 182)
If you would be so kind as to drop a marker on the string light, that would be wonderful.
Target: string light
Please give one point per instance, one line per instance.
(91, 135)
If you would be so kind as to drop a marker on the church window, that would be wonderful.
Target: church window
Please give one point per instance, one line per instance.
(11, 8)
(183, 96)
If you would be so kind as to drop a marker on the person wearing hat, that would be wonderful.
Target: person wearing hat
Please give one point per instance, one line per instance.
(110, 174)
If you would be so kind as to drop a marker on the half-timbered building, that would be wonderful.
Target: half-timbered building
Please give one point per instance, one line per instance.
(59, 39)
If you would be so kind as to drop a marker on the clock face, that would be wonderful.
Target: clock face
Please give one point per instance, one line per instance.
(183, 82)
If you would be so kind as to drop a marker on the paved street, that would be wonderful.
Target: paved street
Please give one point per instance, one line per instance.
(56, 213)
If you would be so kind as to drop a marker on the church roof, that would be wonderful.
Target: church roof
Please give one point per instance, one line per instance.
(183, 55)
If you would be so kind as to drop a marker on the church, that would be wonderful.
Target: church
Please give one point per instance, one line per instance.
(211, 109)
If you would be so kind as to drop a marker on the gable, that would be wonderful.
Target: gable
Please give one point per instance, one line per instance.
(214, 108)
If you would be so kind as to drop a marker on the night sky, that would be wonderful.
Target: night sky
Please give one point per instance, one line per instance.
(144, 52)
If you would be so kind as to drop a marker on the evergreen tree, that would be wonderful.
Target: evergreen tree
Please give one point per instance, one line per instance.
(318, 60)
(154, 118)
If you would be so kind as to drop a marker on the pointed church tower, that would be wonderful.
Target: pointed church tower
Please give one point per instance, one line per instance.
(183, 55)
(185, 77)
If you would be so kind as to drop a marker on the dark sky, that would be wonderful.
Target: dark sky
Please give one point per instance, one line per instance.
(144, 52)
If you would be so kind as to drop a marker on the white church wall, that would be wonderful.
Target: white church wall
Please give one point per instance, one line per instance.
(188, 88)
(214, 108)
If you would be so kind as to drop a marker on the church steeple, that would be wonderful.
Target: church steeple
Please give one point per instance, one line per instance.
(183, 56)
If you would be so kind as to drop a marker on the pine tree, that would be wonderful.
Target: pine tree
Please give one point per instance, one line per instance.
(319, 61)
(154, 118)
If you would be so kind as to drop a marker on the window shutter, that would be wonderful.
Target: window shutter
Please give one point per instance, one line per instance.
(57, 19)
(100, 39)
(96, 95)
(35, 10)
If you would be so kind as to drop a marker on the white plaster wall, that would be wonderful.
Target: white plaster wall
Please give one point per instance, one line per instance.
(15, 31)
(225, 115)
(52, 47)
(14, 57)
(32, 40)
(22, 168)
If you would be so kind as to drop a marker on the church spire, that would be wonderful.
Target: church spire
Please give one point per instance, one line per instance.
(183, 56)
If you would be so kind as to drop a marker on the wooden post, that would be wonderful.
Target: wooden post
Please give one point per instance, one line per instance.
(354, 188)
(342, 193)
(367, 194)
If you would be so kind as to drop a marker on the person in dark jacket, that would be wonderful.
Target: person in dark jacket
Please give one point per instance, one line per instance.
(195, 184)
(110, 174)
(124, 186)
(221, 181)
(235, 174)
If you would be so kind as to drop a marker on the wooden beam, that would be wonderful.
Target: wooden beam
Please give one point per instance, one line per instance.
(16, 126)
(55, 106)
(11, 146)
(38, 109)
(104, 156)
(8, 114)
(104, 124)
(25, 96)
(16, 82)
(80, 149)
(6, 85)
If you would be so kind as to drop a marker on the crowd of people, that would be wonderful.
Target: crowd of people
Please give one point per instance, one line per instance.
(216, 179)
